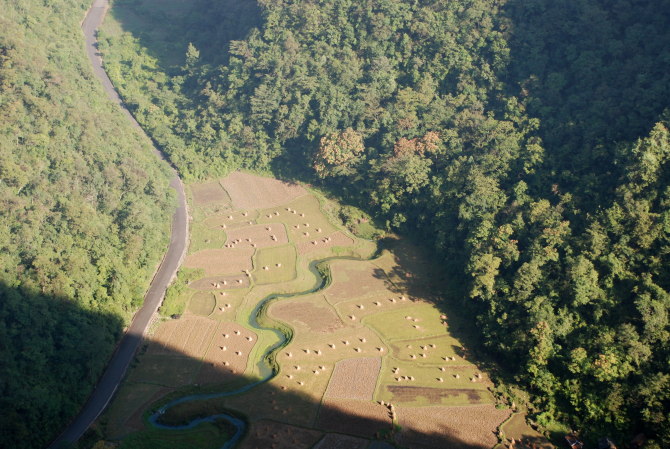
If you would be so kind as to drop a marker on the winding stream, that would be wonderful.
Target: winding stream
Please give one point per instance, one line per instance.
(266, 365)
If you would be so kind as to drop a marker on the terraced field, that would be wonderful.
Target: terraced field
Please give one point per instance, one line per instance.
(367, 359)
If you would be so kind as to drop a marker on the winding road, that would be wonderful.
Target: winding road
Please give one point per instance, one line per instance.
(125, 351)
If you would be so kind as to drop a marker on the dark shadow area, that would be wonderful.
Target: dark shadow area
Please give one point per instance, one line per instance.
(275, 417)
(166, 27)
(52, 353)
(425, 276)
(595, 73)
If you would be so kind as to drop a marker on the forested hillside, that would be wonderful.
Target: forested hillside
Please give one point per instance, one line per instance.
(525, 140)
(84, 220)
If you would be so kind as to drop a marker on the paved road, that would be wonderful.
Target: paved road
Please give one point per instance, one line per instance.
(125, 351)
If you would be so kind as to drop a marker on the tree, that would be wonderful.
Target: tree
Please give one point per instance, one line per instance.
(338, 153)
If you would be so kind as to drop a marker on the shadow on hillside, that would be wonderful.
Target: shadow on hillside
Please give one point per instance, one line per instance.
(283, 417)
(52, 353)
(423, 277)
(594, 73)
(56, 344)
(166, 27)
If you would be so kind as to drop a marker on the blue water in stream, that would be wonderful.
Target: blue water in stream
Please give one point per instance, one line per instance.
(265, 368)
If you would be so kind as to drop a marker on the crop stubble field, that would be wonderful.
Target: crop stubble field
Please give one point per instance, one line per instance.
(372, 338)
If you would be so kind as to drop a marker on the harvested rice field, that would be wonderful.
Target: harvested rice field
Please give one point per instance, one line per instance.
(354, 379)
(308, 313)
(339, 441)
(274, 265)
(202, 303)
(467, 427)
(221, 261)
(249, 191)
(368, 351)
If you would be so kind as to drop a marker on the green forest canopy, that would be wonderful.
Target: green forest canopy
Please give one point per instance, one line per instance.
(84, 220)
(525, 139)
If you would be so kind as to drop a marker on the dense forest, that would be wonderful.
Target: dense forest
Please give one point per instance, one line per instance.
(84, 220)
(525, 140)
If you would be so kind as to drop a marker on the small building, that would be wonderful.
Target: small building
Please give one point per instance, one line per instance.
(574, 442)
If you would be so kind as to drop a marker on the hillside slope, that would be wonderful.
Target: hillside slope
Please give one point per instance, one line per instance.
(84, 220)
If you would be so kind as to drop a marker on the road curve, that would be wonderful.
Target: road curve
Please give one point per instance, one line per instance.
(125, 351)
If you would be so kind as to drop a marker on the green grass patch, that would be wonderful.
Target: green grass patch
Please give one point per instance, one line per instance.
(166, 370)
(178, 294)
(202, 303)
(130, 397)
(313, 217)
(204, 237)
(204, 436)
(426, 389)
(393, 325)
(275, 265)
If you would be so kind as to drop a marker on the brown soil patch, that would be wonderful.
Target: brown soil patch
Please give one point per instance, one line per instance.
(274, 435)
(226, 357)
(225, 221)
(362, 418)
(434, 395)
(355, 281)
(354, 379)
(159, 343)
(336, 239)
(258, 235)
(188, 336)
(317, 319)
(337, 441)
(224, 282)
(208, 193)
(255, 192)
(454, 427)
(221, 261)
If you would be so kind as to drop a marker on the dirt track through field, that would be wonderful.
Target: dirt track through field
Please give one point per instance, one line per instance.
(120, 360)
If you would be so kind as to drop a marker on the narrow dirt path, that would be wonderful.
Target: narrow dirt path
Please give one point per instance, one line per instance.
(125, 351)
